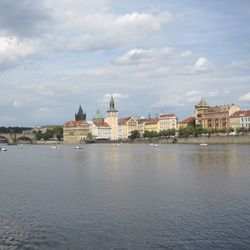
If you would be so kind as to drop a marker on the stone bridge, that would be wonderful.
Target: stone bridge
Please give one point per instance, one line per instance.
(17, 138)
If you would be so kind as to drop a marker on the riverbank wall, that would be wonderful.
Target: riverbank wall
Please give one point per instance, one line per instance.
(241, 139)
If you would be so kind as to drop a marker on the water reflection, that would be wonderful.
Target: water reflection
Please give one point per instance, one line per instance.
(125, 197)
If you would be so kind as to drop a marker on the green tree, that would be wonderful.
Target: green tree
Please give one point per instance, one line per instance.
(134, 134)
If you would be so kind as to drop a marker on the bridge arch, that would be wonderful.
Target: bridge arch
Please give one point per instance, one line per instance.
(24, 139)
(4, 138)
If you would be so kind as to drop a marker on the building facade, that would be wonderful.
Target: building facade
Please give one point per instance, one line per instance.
(168, 121)
(200, 109)
(99, 128)
(240, 119)
(218, 117)
(75, 132)
(126, 126)
(152, 125)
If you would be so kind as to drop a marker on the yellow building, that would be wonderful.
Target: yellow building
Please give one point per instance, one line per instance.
(126, 126)
(152, 125)
(75, 132)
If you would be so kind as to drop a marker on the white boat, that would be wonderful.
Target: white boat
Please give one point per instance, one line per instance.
(3, 149)
(203, 144)
(156, 145)
(77, 147)
(54, 147)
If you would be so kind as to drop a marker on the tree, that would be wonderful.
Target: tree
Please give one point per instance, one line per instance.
(191, 123)
(186, 132)
(134, 134)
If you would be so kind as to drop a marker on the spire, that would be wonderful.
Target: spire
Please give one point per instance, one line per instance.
(80, 116)
(112, 104)
(202, 102)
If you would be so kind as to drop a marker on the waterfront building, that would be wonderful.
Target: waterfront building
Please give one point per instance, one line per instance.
(141, 126)
(200, 109)
(240, 119)
(99, 128)
(185, 122)
(168, 121)
(75, 132)
(152, 125)
(112, 119)
(218, 117)
(126, 126)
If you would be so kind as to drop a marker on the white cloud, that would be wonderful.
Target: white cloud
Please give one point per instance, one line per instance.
(136, 56)
(245, 97)
(187, 53)
(13, 49)
(117, 96)
(202, 64)
(194, 96)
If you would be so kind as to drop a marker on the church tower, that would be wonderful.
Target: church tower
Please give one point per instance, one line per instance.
(80, 116)
(112, 119)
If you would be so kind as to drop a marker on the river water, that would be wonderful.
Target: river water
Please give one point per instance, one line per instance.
(125, 197)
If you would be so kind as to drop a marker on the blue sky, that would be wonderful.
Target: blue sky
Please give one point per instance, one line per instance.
(154, 56)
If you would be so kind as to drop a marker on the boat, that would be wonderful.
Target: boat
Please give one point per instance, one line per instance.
(203, 144)
(3, 149)
(78, 147)
(156, 145)
(53, 147)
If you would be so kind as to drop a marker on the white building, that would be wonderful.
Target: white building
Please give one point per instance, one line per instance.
(168, 121)
(240, 119)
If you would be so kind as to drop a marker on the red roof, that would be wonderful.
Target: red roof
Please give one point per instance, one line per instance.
(186, 120)
(241, 113)
(101, 124)
(151, 121)
(122, 121)
(74, 123)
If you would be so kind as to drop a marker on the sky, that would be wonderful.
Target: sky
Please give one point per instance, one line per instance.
(154, 56)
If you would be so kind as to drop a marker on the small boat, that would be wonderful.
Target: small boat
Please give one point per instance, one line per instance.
(156, 145)
(203, 144)
(3, 149)
(53, 147)
(77, 147)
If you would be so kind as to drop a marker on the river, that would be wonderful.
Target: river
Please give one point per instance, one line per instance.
(125, 197)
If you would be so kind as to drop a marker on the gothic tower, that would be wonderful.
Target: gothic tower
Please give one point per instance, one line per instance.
(80, 116)
(112, 119)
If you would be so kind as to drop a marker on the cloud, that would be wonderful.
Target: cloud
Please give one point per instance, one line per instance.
(202, 64)
(187, 53)
(106, 30)
(12, 50)
(194, 96)
(117, 96)
(245, 97)
(136, 56)
(23, 18)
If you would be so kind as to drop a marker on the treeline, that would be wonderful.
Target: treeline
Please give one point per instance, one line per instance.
(54, 133)
(18, 130)
(188, 131)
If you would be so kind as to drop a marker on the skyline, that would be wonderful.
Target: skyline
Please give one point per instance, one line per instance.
(153, 57)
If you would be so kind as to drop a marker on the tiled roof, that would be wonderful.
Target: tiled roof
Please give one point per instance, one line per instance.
(241, 113)
(101, 124)
(74, 123)
(151, 121)
(186, 120)
(122, 121)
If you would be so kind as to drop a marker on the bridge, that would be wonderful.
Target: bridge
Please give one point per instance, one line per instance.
(18, 138)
